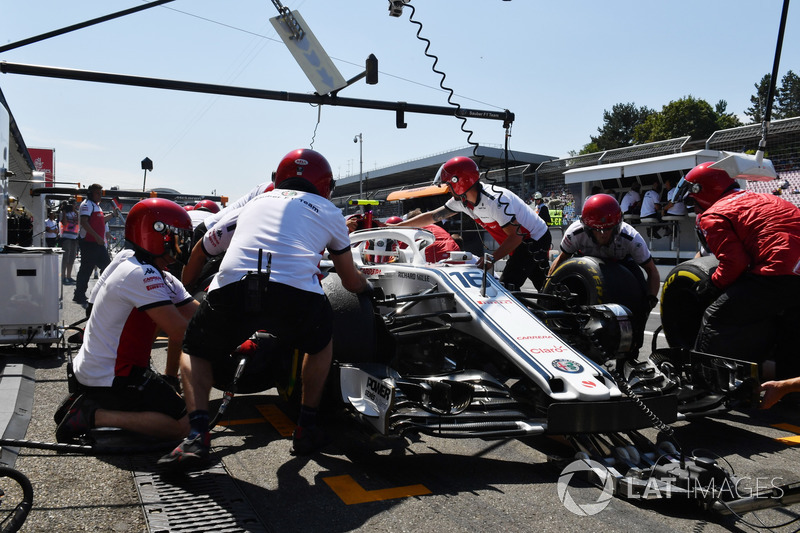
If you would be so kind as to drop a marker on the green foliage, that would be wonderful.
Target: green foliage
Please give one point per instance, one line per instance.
(687, 116)
(787, 99)
(759, 100)
(626, 124)
(618, 127)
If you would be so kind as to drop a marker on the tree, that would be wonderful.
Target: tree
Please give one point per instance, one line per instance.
(687, 116)
(589, 148)
(787, 98)
(618, 126)
(759, 100)
(725, 120)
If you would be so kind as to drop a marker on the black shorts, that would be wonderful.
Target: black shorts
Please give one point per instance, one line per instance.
(299, 319)
(142, 391)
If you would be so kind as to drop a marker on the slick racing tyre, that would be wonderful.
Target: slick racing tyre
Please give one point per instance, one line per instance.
(681, 308)
(354, 331)
(595, 281)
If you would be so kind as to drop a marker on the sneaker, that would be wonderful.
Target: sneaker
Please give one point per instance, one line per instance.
(63, 407)
(77, 421)
(190, 454)
(79, 299)
(307, 440)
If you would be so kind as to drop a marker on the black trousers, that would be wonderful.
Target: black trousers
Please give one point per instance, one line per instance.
(755, 320)
(92, 255)
(529, 261)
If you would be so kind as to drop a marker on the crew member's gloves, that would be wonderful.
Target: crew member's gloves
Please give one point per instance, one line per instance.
(706, 290)
(373, 292)
(652, 300)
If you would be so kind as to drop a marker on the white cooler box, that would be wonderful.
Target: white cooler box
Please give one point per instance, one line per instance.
(29, 297)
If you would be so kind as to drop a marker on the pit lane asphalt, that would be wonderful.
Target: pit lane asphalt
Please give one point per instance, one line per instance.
(360, 483)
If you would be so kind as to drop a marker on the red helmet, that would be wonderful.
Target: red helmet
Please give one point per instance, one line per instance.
(380, 251)
(706, 185)
(158, 226)
(309, 165)
(394, 220)
(460, 174)
(601, 212)
(189, 207)
(208, 205)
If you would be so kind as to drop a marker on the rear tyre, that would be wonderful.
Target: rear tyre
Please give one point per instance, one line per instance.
(681, 308)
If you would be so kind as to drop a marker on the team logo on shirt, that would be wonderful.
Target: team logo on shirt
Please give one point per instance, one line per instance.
(149, 271)
(288, 193)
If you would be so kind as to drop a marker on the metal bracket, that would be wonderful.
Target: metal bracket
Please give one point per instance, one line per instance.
(286, 15)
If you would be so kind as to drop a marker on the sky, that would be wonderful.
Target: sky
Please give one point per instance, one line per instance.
(556, 65)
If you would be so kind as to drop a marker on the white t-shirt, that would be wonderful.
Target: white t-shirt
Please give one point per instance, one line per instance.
(294, 226)
(198, 216)
(678, 209)
(119, 334)
(627, 242)
(496, 208)
(50, 228)
(651, 199)
(211, 220)
(628, 200)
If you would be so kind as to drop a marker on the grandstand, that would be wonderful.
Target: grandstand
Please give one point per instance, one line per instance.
(786, 185)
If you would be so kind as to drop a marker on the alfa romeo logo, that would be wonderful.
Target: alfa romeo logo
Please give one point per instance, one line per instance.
(568, 365)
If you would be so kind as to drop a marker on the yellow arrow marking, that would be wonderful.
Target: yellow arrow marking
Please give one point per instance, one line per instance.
(271, 414)
(791, 441)
(279, 421)
(352, 493)
(241, 421)
(344, 486)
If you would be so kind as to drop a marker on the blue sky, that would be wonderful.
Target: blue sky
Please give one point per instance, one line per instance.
(556, 65)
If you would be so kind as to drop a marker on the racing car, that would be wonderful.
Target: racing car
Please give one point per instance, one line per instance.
(444, 349)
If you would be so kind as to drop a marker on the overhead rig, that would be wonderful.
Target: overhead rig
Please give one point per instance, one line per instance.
(506, 116)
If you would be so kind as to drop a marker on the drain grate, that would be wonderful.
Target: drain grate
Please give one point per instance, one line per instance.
(207, 500)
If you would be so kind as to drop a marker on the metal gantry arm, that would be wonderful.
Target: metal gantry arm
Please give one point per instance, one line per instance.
(506, 116)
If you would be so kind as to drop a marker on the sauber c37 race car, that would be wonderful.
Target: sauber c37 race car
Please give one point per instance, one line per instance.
(444, 349)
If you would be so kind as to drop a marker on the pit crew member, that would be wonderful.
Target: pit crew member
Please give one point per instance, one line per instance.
(756, 287)
(137, 296)
(601, 233)
(509, 220)
(268, 280)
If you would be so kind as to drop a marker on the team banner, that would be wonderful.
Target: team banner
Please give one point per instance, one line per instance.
(44, 160)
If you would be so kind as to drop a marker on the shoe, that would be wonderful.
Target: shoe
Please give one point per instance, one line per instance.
(308, 440)
(67, 281)
(77, 421)
(63, 407)
(172, 381)
(190, 454)
(78, 299)
(95, 276)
